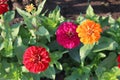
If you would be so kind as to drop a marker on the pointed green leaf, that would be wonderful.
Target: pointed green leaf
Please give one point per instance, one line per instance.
(90, 11)
(58, 65)
(104, 21)
(19, 49)
(15, 30)
(74, 53)
(109, 61)
(42, 31)
(50, 72)
(23, 13)
(9, 16)
(40, 7)
(105, 44)
(8, 48)
(85, 50)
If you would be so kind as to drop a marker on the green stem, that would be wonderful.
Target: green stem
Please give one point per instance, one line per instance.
(82, 64)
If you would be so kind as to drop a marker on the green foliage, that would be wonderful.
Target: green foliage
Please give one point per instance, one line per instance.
(84, 51)
(111, 74)
(50, 72)
(86, 62)
(40, 7)
(90, 14)
(74, 53)
(42, 31)
(9, 16)
(105, 44)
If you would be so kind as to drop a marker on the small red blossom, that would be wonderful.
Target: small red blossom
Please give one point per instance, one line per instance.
(3, 6)
(36, 59)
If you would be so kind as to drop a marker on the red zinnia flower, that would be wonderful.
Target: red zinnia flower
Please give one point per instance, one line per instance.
(118, 65)
(66, 35)
(118, 59)
(36, 59)
(3, 6)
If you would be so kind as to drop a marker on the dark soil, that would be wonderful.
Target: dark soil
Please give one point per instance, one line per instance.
(71, 9)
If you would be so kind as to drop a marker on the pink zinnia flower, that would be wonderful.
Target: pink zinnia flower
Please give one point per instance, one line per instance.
(36, 59)
(3, 6)
(67, 36)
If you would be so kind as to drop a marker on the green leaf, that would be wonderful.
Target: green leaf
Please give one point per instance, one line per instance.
(50, 72)
(74, 53)
(34, 22)
(91, 15)
(36, 76)
(26, 76)
(90, 11)
(9, 16)
(74, 76)
(42, 31)
(79, 19)
(19, 49)
(109, 61)
(23, 13)
(28, 22)
(1, 43)
(105, 44)
(104, 21)
(15, 30)
(10, 71)
(112, 74)
(24, 69)
(40, 7)
(111, 20)
(80, 74)
(57, 55)
(25, 35)
(58, 65)
(55, 15)
(8, 48)
(99, 71)
(85, 50)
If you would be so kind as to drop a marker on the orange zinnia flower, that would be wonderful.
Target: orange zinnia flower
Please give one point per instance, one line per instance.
(89, 31)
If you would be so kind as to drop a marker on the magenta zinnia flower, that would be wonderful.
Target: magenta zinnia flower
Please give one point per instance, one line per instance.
(3, 6)
(36, 59)
(67, 36)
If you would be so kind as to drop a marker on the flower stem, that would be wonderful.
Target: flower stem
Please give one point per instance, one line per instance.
(82, 64)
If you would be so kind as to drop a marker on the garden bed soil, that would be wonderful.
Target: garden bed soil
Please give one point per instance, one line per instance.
(71, 9)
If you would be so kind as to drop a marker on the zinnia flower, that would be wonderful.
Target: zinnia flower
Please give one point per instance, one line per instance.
(118, 59)
(67, 36)
(29, 8)
(36, 59)
(3, 6)
(89, 31)
(119, 65)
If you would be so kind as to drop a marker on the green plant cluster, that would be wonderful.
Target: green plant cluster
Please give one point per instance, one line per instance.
(85, 62)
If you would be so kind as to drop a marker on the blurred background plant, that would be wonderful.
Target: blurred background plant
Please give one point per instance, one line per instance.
(97, 61)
